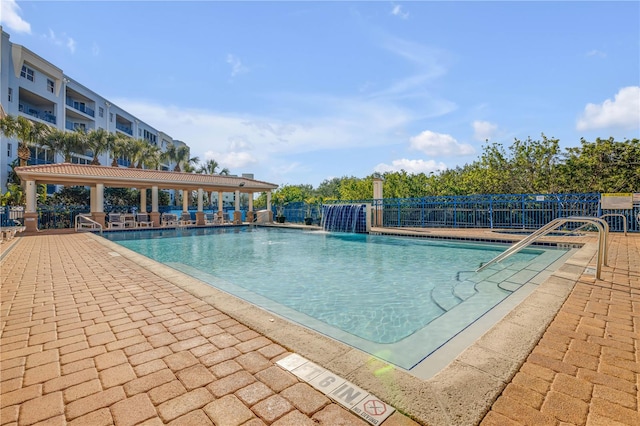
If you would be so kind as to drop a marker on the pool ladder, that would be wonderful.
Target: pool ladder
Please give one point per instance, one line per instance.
(603, 233)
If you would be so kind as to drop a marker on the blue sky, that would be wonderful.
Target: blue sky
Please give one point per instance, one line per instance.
(297, 92)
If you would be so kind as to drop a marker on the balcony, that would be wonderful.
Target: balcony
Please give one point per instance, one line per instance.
(80, 106)
(37, 113)
(125, 129)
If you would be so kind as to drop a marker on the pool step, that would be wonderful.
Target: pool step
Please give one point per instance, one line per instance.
(443, 296)
(509, 286)
(465, 289)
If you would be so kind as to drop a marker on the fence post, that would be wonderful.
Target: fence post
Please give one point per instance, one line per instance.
(455, 211)
(491, 211)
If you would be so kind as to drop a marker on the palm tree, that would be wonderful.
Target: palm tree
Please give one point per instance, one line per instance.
(210, 167)
(181, 156)
(98, 141)
(26, 131)
(152, 157)
(171, 154)
(118, 148)
(190, 164)
(136, 152)
(72, 142)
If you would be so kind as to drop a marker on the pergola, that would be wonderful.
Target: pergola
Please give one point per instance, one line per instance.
(99, 177)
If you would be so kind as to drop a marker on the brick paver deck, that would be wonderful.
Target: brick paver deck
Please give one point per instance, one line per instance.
(91, 338)
(586, 368)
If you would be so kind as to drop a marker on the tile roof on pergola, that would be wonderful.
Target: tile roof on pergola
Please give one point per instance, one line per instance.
(121, 177)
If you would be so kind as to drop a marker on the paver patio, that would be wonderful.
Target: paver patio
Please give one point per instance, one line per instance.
(91, 337)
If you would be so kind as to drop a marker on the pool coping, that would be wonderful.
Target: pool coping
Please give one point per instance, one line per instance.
(461, 393)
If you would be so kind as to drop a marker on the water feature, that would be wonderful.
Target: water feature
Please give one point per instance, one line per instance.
(344, 218)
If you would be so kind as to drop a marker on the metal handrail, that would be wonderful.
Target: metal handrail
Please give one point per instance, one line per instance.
(624, 220)
(86, 218)
(603, 230)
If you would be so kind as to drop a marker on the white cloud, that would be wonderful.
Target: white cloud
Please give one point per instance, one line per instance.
(235, 140)
(398, 11)
(483, 130)
(95, 49)
(411, 166)
(62, 40)
(438, 144)
(596, 52)
(10, 16)
(236, 65)
(621, 112)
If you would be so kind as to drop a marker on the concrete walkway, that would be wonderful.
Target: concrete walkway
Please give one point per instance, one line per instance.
(91, 336)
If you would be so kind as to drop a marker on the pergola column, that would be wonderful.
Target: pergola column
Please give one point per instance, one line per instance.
(143, 200)
(220, 209)
(154, 215)
(200, 212)
(30, 214)
(250, 208)
(237, 214)
(185, 205)
(97, 203)
(269, 206)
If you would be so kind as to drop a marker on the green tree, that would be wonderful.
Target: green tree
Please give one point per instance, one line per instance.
(26, 131)
(210, 167)
(99, 141)
(66, 143)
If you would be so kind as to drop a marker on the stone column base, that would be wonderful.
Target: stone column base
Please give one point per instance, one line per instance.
(31, 222)
(155, 218)
(237, 218)
(99, 217)
(250, 216)
(199, 218)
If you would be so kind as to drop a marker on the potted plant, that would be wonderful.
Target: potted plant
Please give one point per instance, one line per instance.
(279, 202)
(308, 218)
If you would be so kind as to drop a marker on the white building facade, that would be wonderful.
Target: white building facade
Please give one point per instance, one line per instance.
(36, 89)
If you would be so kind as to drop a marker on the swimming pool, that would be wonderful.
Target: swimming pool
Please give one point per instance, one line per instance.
(396, 298)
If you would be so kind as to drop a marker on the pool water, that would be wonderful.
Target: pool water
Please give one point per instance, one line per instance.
(377, 293)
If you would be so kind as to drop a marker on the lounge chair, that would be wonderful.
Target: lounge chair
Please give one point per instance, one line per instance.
(115, 220)
(129, 220)
(142, 220)
(185, 220)
(169, 219)
(211, 219)
(223, 218)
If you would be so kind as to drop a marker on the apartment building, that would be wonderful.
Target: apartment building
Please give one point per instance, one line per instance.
(32, 87)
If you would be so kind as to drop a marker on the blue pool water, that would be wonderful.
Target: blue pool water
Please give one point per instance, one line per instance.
(377, 293)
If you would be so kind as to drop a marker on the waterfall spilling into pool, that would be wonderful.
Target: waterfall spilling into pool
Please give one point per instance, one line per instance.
(345, 218)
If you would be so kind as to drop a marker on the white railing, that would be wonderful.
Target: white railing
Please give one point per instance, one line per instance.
(84, 222)
(603, 232)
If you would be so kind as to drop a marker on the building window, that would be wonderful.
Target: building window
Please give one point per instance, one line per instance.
(10, 95)
(101, 111)
(111, 117)
(8, 150)
(50, 85)
(27, 73)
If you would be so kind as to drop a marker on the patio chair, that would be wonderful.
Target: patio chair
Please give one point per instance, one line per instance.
(129, 220)
(115, 221)
(186, 220)
(211, 219)
(169, 219)
(142, 220)
(223, 218)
